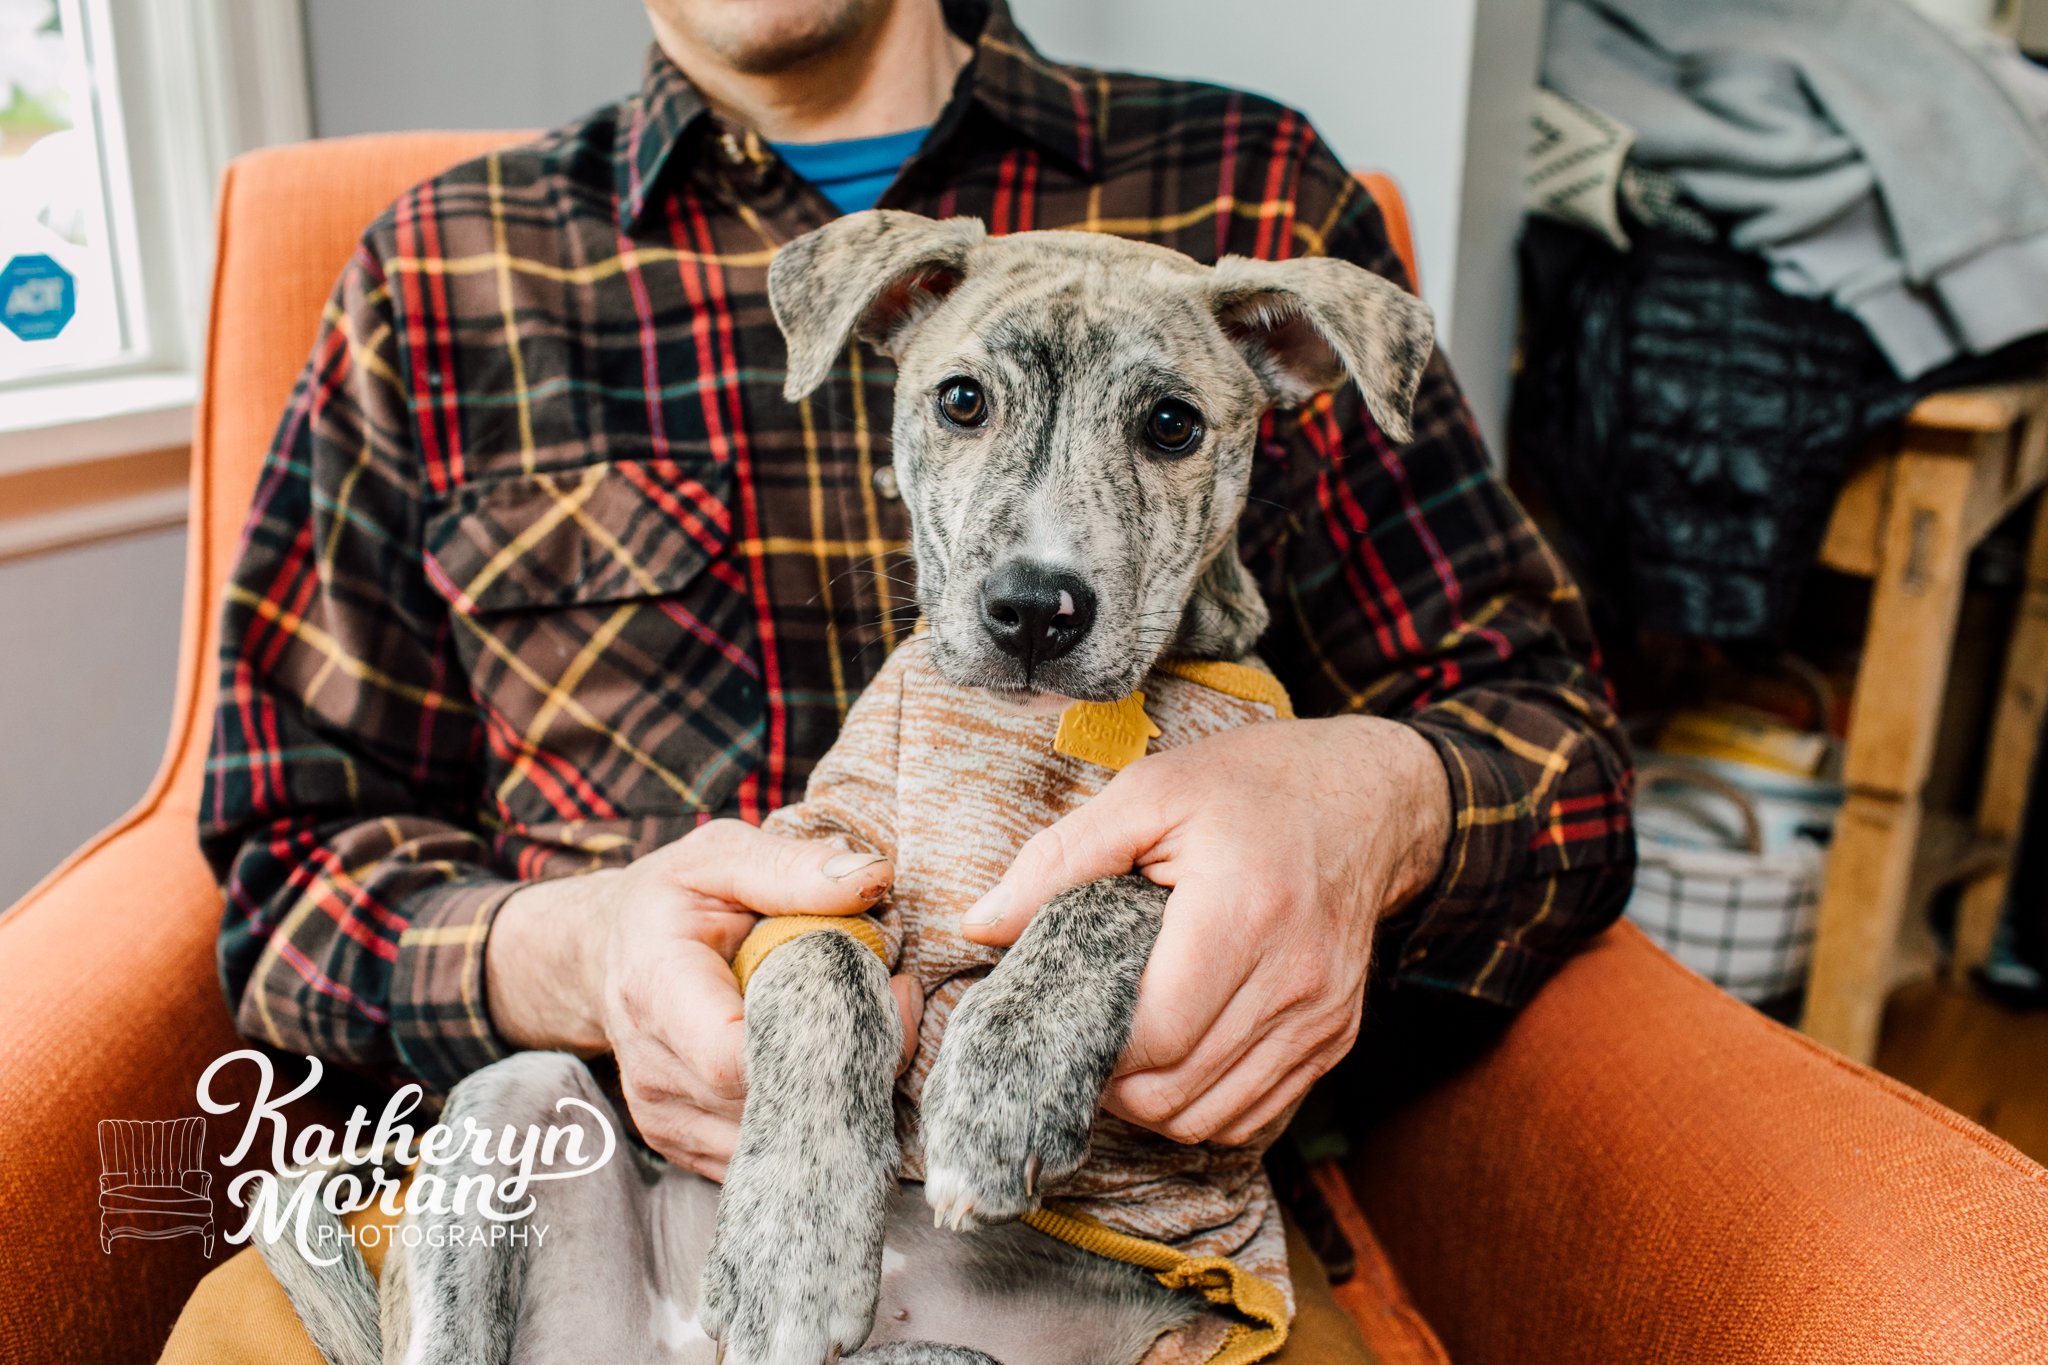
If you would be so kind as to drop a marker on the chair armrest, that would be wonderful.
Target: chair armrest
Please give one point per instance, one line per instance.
(1645, 1169)
(109, 1008)
(197, 1183)
(113, 1180)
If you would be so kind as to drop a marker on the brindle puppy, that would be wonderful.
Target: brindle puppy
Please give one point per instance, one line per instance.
(1074, 431)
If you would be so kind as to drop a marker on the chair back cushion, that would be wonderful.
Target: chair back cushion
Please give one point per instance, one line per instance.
(152, 1151)
(1393, 208)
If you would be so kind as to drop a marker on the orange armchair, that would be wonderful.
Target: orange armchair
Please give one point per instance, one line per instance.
(1642, 1170)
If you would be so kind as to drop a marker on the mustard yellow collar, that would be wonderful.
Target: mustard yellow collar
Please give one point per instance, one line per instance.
(1114, 734)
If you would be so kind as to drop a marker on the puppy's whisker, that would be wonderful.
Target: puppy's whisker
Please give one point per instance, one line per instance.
(876, 576)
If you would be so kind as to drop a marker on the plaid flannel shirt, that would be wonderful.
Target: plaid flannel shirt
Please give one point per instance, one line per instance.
(543, 571)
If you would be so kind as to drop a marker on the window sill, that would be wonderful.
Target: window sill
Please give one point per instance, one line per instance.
(158, 509)
(56, 424)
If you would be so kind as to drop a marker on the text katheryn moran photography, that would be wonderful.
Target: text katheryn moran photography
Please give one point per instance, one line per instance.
(456, 1170)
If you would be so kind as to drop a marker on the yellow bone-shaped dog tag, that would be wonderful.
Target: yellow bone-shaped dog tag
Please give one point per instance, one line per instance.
(1112, 734)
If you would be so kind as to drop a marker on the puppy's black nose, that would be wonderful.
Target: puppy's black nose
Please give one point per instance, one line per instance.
(1035, 613)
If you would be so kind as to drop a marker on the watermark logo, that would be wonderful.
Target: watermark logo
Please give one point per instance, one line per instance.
(153, 1181)
(469, 1184)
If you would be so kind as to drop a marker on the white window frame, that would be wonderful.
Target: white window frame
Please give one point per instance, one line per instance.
(199, 82)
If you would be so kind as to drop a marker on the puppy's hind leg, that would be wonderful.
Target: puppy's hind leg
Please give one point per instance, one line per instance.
(796, 1259)
(337, 1302)
(459, 1284)
(1014, 1090)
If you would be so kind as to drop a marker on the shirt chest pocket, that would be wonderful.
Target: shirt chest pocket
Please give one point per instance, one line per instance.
(608, 636)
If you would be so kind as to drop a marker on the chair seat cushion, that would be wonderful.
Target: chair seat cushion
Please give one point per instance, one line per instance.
(154, 1199)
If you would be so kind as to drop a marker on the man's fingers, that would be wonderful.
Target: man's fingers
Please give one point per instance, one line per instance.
(732, 861)
(1151, 1097)
(1275, 1101)
(699, 1142)
(695, 1012)
(722, 931)
(671, 1111)
(909, 993)
(1270, 1077)
(1189, 982)
(1104, 838)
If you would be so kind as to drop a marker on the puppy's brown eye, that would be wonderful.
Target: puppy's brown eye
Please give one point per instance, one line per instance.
(1173, 427)
(962, 402)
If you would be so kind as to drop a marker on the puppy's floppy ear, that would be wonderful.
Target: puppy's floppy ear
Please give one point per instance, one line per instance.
(1304, 324)
(870, 274)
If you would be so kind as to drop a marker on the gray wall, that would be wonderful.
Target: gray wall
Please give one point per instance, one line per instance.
(383, 66)
(85, 692)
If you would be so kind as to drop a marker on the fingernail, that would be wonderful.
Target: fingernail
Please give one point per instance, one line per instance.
(988, 909)
(843, 865)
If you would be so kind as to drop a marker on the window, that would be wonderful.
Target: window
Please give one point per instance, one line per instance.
(65, 196)
(117, 118)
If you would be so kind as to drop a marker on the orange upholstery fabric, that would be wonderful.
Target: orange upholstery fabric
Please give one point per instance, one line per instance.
(1642, 1170)
(1646, 1170)
(1394, 209)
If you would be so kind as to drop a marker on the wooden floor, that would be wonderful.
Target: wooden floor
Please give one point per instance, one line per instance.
(1985, 1062)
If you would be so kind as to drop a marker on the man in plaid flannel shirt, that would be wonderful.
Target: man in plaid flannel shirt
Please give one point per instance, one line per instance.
(544, 577)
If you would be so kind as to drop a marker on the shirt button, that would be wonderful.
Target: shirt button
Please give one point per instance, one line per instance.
(884, 481)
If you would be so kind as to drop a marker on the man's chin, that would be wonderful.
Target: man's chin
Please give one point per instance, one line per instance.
(773, 39)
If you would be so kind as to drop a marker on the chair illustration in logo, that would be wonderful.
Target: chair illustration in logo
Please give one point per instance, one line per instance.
(154, 1182)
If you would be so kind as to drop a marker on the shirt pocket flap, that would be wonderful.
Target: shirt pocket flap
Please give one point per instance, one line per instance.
(602, 533)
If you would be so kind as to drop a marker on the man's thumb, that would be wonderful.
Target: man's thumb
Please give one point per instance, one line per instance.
(1094, 842)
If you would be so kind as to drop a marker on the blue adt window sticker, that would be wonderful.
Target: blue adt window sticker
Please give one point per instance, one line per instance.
(38, 297)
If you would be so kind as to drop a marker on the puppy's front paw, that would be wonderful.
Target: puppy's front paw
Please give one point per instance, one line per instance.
(1004, 1112)
(796, 1259)
(791, 1278)
(1015, 1088)
(1000, 1118)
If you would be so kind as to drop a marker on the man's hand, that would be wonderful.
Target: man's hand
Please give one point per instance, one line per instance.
(1283, 844)
(635, 960)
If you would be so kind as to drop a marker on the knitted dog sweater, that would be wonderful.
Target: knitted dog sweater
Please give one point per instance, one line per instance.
(948, 783)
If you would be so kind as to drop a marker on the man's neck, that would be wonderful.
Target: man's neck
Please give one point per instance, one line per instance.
(892, 78)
